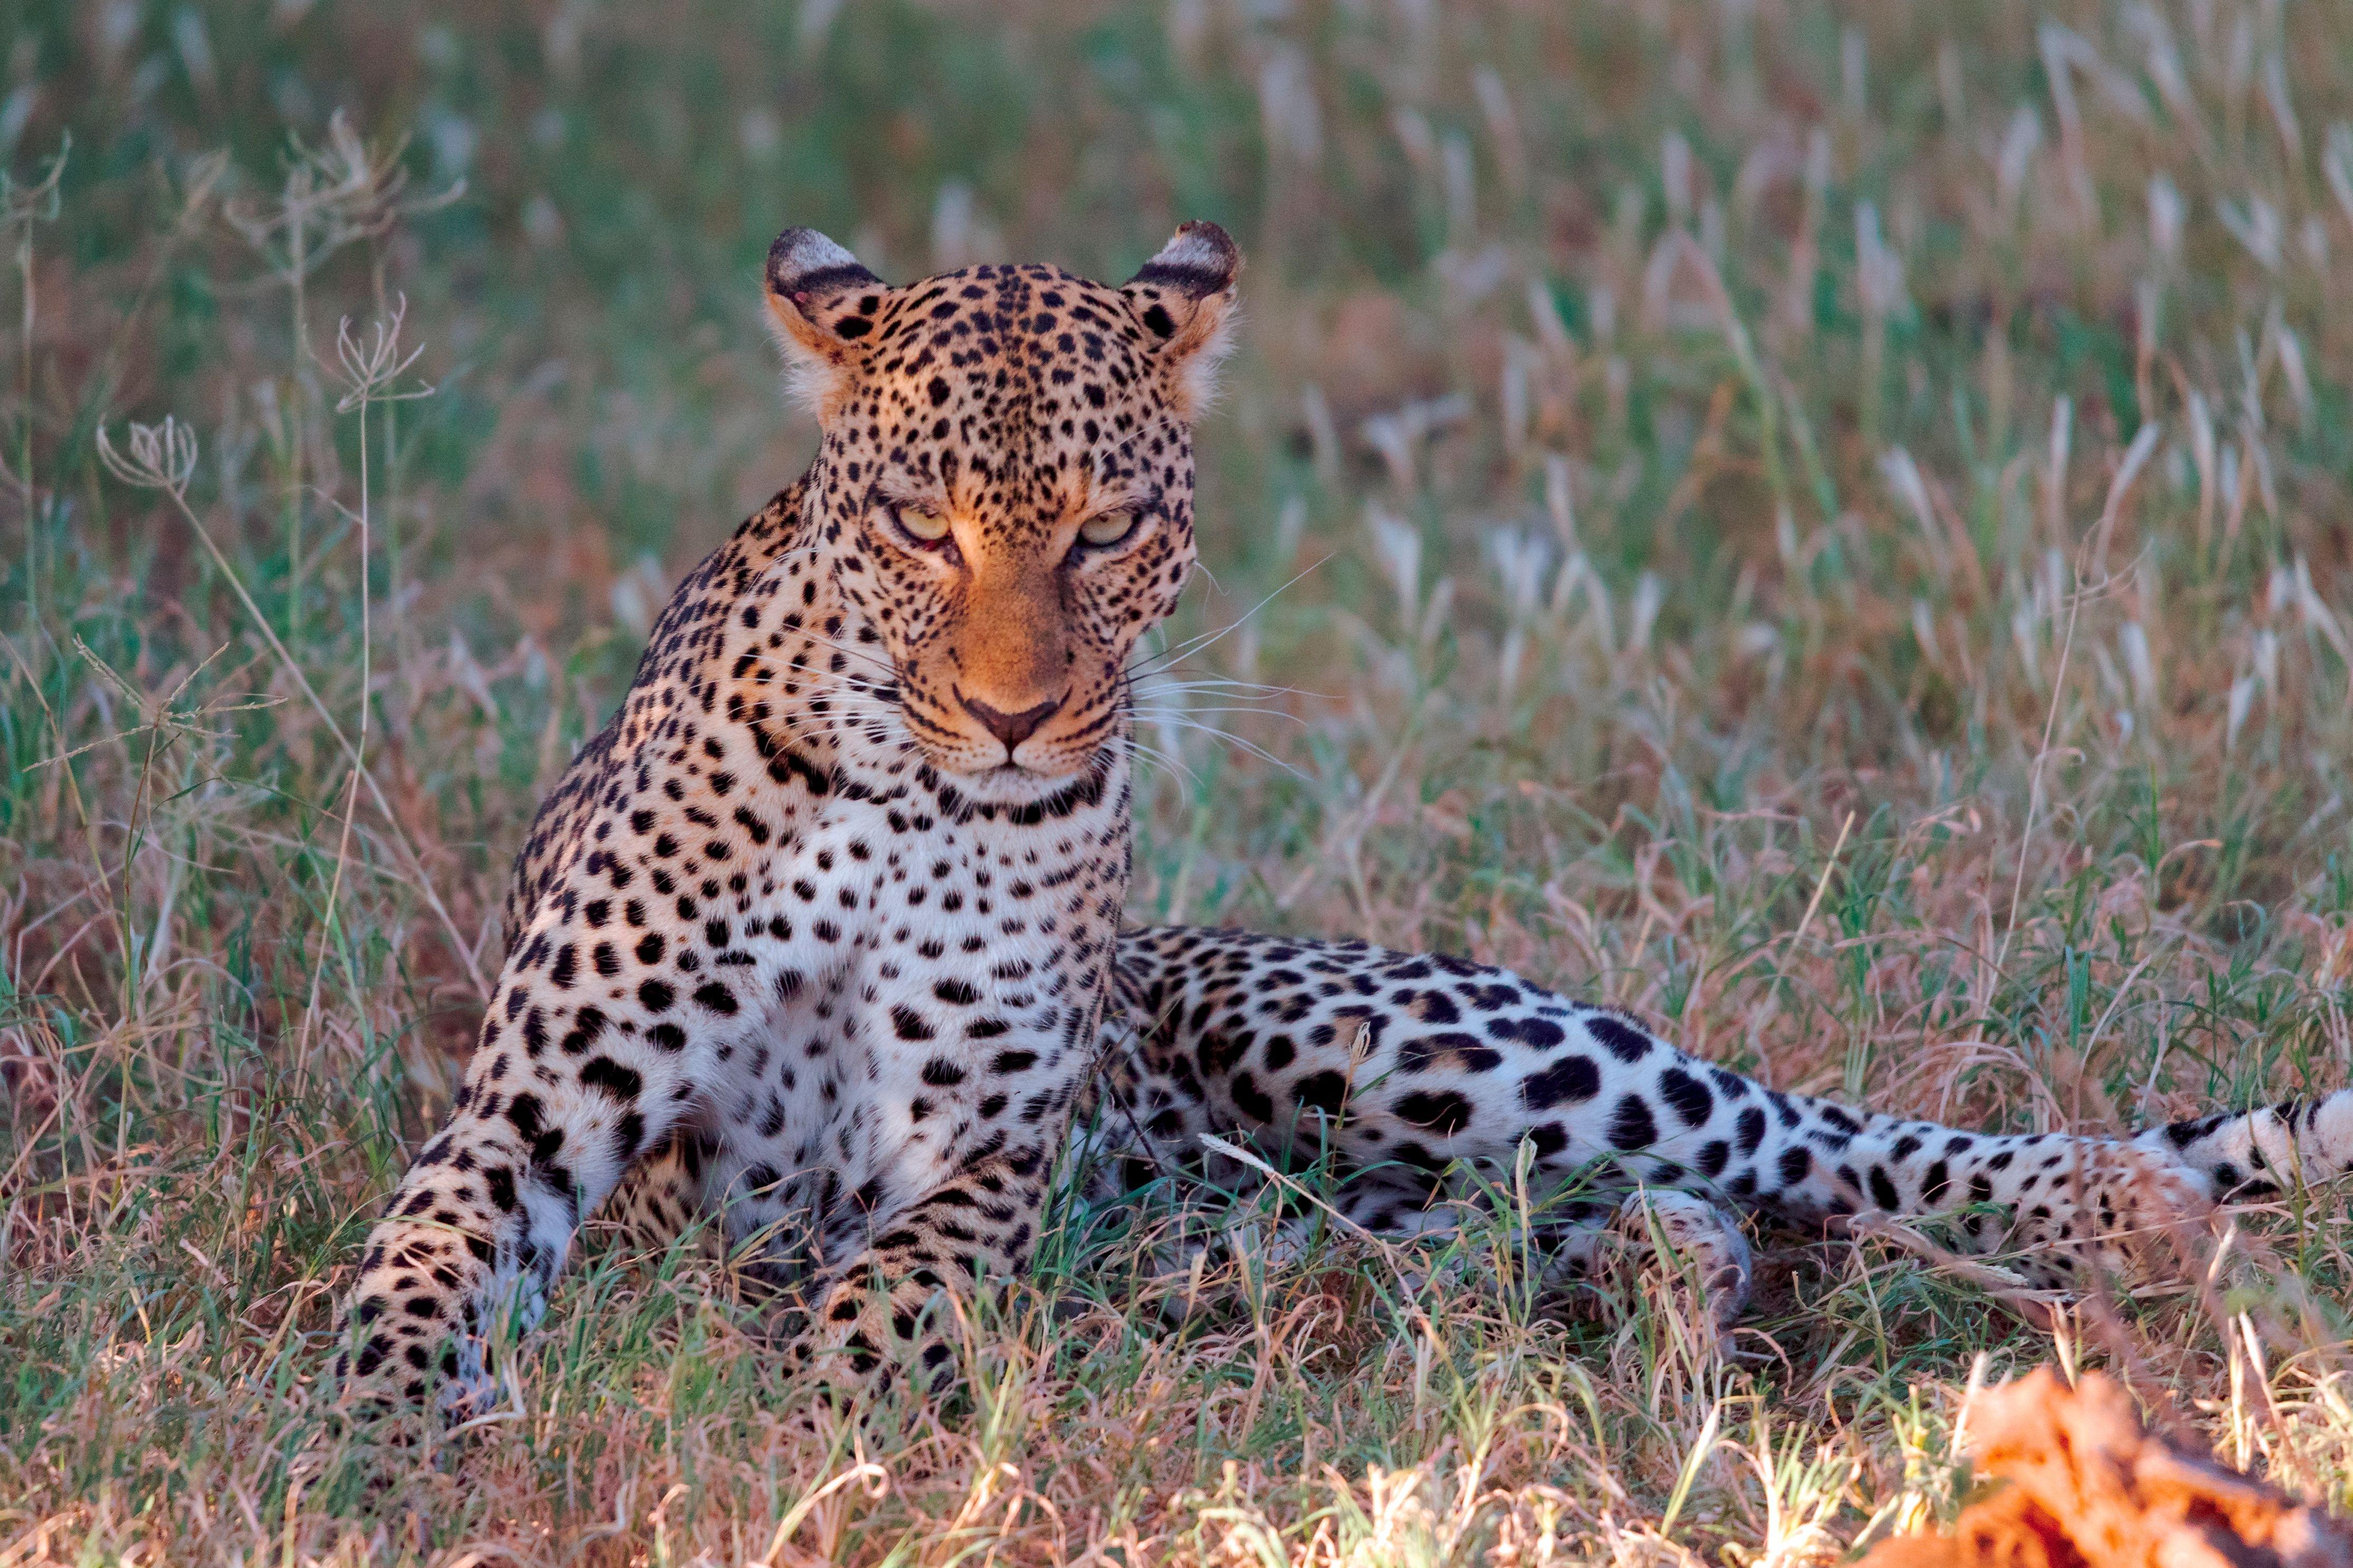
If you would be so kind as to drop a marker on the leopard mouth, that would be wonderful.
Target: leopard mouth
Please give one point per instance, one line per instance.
(1012, 782)
(984, 768)
(1011, 788)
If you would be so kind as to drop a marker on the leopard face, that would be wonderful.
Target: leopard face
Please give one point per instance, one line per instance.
(1005, 488)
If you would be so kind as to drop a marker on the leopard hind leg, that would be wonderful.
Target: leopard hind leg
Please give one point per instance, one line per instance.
(2254, 1154)
(1153, 1123)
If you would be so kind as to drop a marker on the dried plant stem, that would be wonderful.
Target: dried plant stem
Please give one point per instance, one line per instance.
(359, 766)
(297, 387)
(25, 440)
(400, 834)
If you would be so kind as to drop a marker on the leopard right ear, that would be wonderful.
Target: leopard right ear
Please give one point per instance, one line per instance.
(824, 302)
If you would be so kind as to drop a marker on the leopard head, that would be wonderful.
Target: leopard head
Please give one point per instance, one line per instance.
(1004, 490)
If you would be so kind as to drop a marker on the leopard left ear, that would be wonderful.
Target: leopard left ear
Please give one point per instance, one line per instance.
(1185, 296)
(824, 302)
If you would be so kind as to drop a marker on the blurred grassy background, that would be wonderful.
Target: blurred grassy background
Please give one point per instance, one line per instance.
(1825, 523)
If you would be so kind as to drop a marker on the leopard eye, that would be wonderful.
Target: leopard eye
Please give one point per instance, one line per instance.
(1108, 529)
(921, 524)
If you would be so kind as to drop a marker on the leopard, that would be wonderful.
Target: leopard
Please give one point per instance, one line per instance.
(822, 936)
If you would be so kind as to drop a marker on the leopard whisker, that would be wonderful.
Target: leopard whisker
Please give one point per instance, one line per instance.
(1209, 639)
(1160, 755)
(1160, 683)
(1165, 713)
(1249, 746)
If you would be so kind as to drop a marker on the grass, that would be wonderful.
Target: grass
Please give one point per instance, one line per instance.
(1826, 524)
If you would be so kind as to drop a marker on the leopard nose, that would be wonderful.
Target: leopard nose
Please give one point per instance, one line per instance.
(1012, 727)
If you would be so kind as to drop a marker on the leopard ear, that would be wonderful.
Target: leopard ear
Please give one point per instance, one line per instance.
(1184, 298)
(824, 302)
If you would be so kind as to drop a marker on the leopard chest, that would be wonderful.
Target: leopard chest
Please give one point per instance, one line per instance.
(965, 955)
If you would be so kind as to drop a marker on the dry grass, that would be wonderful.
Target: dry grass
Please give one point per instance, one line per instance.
(1825, 524)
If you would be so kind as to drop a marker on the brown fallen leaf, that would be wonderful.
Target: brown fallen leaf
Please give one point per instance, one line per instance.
(2089, 1488)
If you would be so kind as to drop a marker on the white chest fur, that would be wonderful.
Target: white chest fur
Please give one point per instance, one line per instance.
(960, 957)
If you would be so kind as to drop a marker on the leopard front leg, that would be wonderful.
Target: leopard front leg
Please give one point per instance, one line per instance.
(484, 1220)
(478, 1230)
(884, 1310)
(660, 1199)
(603, 1034)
